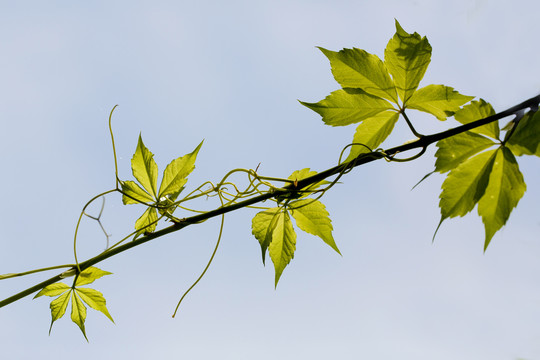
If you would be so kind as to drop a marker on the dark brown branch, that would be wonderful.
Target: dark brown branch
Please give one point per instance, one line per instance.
(422, 143)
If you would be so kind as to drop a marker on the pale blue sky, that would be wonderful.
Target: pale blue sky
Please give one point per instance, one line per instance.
(231, 73)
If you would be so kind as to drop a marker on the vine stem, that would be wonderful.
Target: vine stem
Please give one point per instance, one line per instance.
(361, 159)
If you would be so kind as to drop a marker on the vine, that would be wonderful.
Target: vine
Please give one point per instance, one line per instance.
(482, 169)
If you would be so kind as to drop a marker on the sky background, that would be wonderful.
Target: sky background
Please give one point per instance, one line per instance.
(231, 73)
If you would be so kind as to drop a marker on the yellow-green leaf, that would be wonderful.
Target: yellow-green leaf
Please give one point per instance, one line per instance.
(89, 275)
(53, 290)
(58, 307)
(348, 106)
(134, 194)
(298, 175)
(477, 110)
(372, 132)
(312, 217)
(356, 68)
(283, 243)
(78, 313)
(147, 222)
(175, 174)
(145, 168)
(262, 227)
(505, 189)
(95, 300)
(526, 138)
(438, 100)
(458, 148)
(407, 57)
(465, 185)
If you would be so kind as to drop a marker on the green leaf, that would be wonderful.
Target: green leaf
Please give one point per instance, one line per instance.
(78, 313)
(89, 275)
(312, 217)
(262, 227)
(348, 106)
(407, 57)
(477, 110)
(58, 307)
(458, 148)
(438, 100)
(465, 185)
(283, 243)
(175, 174)
(95, 300)
(356, 68)
(305, 173)
(147, 223)
(145, 168)
(372, 132)
(505, 189)
(134, 194)
(526, 138)
(53, 290)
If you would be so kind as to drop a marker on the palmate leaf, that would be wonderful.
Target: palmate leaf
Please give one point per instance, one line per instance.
(283, 244)
(145, 171)
(312, 217)
(348, 106)
(477, 110)
(372, 132)
(407, 57)
(78, 297)
(356, 68)
(526, 137)
(176, 173)
(458, 148)
(145, 168)
(505, 189)
(438, 100)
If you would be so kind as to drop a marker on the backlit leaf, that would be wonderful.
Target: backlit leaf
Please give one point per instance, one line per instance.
(477, 110)
(262, 227)
(372, 132)
(175, 174)
(356, 68)
(78, 313)
(526, 138)
(348, 106)
(89, 275)
(53, 290)
(147, 222)
(465, 185)
(134, 194)
(407, 57)
(305, 173)
(95, 300)
(505, 189)
(312, 217)
(438, 100)
(145, 168)
(58, 307)
(283, 243)
(458, 148)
